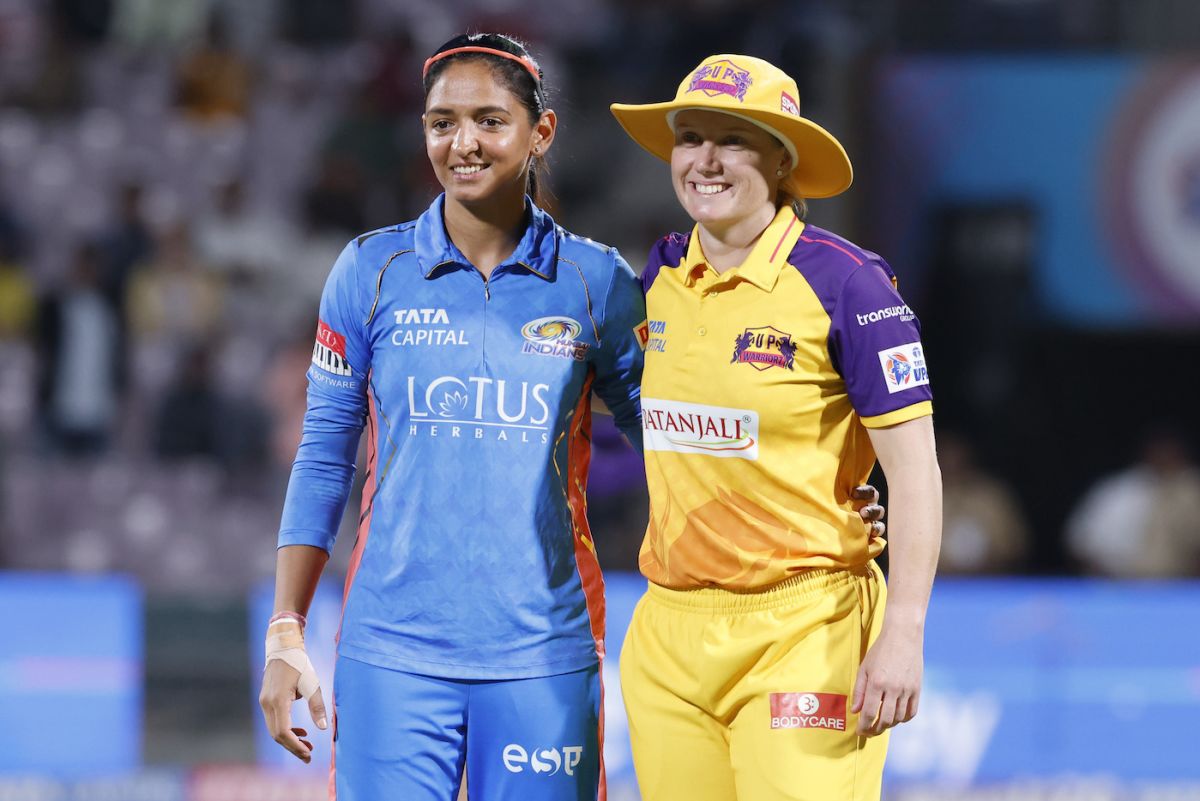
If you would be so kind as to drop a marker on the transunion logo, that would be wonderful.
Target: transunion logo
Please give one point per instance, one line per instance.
(544, 761)
(695, 428)
(554, 336)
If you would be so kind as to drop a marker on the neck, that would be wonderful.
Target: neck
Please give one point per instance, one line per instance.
(487, 234)
(727, 245)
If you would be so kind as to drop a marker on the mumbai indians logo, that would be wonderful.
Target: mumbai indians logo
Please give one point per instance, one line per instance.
(898, 368)
(721, 78)
(764, 347)
(554, 336)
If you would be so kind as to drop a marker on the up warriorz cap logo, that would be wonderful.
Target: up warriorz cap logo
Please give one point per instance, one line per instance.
(329, 353)
(808, 711)
(554, 336)
(721, 78)
(904, 367)
(764, 347)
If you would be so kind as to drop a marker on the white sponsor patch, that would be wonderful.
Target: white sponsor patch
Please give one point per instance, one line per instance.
(904, 367)
(695, 428)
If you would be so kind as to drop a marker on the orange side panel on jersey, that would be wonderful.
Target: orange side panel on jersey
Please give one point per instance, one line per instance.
(579, 458)
(360, 544)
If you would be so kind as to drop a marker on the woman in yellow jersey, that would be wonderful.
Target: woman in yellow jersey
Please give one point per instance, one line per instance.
(780, 364)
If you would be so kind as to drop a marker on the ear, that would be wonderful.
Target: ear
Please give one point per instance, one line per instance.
(543, 132)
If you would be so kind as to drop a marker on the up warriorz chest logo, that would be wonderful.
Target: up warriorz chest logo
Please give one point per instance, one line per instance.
(808, 711)
(554, 336)
(764, 347)
(329, 352)
(721, 78)
(904, 367)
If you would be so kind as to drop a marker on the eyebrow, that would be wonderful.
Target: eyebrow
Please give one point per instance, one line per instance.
(481, 110)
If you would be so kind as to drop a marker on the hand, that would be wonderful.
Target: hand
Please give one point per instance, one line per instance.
(888, 686)
(288, 676)
(872, 512)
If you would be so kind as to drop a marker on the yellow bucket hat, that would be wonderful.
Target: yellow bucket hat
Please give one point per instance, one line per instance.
(758, 92)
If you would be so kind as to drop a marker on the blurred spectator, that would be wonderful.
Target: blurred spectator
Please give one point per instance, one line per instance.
(214, 81)
(196, 420)
(238, 239)
(335, 200)
(80, 357)
(174, 298)
(125, 245)
(1144, 521)
(983, 530)
(145, 24)
(17, 301)
(57, 87)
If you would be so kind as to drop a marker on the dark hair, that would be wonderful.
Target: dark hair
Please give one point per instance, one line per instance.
(530, 92)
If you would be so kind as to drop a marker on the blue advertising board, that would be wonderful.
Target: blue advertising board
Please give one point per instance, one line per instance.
(1024, 680)
(70, 675)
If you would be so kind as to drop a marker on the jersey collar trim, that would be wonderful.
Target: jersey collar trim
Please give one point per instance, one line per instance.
(766, 260)
(537, 252)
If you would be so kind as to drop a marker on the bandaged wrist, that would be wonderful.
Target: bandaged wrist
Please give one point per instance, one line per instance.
(285, 643)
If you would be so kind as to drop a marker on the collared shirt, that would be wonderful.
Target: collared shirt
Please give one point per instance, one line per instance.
(473, 557)
(760, 383)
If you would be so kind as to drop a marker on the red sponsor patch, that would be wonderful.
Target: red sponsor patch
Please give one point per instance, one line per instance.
(808, 711)
(331, 339)
(789, 104)
(642, 331)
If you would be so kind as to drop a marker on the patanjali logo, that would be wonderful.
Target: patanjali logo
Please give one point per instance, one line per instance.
(554, 336)
(764, 347)
(721, 78)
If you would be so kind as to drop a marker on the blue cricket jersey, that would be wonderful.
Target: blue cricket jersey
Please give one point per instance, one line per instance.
(473, 557)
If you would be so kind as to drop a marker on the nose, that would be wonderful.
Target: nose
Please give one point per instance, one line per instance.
(465, 142)
(706, 158)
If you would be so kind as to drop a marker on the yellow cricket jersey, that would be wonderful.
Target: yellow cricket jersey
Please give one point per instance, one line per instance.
(759, 385)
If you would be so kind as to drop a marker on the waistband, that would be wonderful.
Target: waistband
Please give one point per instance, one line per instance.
(800, 587)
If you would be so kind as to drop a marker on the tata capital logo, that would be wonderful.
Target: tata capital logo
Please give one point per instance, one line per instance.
(417, 327)
(764, 347)
(554, 336)
(478, 407)
(543, 761)
(721, 78)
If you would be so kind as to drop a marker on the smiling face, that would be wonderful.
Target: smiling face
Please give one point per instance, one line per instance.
(479, 136)
(724, 168)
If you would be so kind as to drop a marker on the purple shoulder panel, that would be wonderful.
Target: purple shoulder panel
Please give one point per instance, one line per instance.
(667, 252)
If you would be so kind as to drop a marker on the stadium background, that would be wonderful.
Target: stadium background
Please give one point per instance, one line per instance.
(1030, 168)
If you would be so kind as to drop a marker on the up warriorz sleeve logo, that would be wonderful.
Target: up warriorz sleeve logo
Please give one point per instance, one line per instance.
(808, 711)
(904, 367)
(329, 353)
(721, 78)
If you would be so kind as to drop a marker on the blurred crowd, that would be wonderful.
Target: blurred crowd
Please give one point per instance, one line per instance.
(176, 179)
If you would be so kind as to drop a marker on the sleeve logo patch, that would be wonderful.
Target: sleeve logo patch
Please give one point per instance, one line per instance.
(904, 367)
(642, 332)
(329, 353)
(808, 711)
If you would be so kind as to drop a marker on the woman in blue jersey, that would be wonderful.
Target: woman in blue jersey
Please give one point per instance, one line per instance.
(468, 342)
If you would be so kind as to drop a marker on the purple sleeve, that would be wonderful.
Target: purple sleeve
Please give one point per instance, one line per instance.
(875, 343)
(667, 252)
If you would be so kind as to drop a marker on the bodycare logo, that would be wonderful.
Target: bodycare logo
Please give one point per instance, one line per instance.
(808, 711)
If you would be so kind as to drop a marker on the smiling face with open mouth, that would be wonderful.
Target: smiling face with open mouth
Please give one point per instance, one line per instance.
(723, 168)
(478, 135)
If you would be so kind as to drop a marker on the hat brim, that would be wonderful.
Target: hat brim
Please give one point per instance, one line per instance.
(822, 170)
